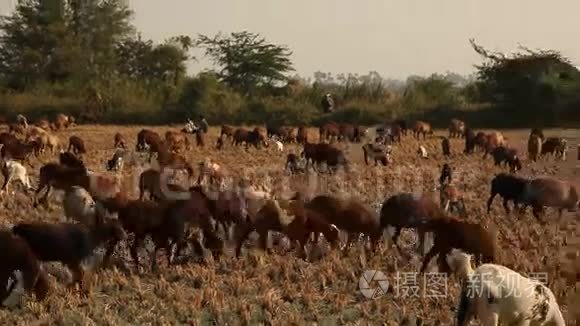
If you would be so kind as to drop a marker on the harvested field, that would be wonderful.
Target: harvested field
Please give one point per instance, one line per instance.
(283, 289)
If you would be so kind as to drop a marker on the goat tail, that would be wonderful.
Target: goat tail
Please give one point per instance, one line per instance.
(463, 308)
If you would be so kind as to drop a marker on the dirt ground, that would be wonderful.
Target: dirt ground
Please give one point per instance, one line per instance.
(283, 289)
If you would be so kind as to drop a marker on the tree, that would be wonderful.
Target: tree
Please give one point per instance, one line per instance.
(428, 93)
(247, 60)
(526, 79)
(58, 40)
(35, 44)
(143, 61)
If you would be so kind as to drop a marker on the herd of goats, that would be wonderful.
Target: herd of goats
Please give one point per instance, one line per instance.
(92, 200)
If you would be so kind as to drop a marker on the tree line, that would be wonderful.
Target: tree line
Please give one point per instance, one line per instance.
(86, 58)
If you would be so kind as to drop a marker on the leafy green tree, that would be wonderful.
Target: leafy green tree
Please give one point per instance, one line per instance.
(247, 60)
(57, 41)
(528, 78)
(429, 93)
(100, 25)
(35, 44)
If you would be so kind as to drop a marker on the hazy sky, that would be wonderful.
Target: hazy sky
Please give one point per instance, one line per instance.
(395, 38)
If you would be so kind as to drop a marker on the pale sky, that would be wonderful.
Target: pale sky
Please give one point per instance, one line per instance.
(395, 38)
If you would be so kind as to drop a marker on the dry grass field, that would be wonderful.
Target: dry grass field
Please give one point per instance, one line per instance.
(283, 289)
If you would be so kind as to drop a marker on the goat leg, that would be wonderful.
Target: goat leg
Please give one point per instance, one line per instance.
(77, 274)
(137, 242)
(505, 206)
(396, 237)
(153, 258)
(5, 185)
(434, 251)
(109, 253)
(40, 187)
(349, 237)
(45, 198)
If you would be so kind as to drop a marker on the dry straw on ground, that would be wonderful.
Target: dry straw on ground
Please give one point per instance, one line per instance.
(280, 290)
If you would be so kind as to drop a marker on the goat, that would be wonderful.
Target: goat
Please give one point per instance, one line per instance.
(70, 160)
(67, 243)
(18, 258)
(119, 141)
(14, 171)
(509, 187)
(76, 145)
(78, 205)
(454, 234)
(499, 295)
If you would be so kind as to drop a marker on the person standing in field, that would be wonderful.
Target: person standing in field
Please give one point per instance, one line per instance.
(204, 126)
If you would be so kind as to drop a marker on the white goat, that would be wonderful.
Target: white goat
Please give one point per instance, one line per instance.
(279, 145)
(14, 171)
(79, 206)
(255, 199)
(496, 294)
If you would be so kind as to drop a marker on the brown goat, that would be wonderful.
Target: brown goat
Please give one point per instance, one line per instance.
(60, 177)
(146, 138)
(230, 209)
(174, 161)
(493, 140)
(177, 141)
(76, 145)
(456, 128)
(141, 218)
(328, 132)
(376, 152)
(422, 127)
(325, 153)
(44, 124)
(302, 136)
(19, 151)
(254, 137)
(227, 131)
(151, 181)
(62, 121)
(119, 141)
(298, 230)
(451, 234)
(63, 178)
(195, 211)
(406, 210)
(349, 215)
(7, 138)
(480, 141)
(556, 146)
(550, 192)
(534, 147)
(451, 199)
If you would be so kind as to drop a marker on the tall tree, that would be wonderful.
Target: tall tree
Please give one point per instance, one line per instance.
(247, 60)
(527, 78)
(36, 45)
(56, 40)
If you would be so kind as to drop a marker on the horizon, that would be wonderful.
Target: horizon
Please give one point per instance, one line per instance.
(415, 30)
